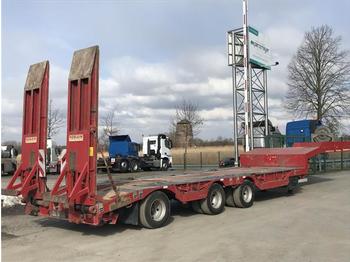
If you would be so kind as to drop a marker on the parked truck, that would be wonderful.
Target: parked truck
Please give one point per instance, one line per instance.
(124, 153)
(307, 131)
(52, 157)
(8, 159)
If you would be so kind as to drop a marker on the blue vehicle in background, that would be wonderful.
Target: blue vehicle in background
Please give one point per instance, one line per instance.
(123, 153)
(306, 131)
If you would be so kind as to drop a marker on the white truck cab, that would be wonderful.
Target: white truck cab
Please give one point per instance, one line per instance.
(52, 157)
(157, 149)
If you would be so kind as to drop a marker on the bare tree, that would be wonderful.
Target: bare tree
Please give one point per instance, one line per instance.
(319, 78)
(54, 121)
(187, 111)
(109, 127)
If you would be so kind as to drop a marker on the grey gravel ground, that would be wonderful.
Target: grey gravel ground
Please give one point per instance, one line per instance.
(311, 225)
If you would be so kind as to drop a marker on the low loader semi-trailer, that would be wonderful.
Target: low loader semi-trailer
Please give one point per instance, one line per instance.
(77, 195)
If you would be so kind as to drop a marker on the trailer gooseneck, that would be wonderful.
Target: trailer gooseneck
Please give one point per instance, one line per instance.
(77, 197)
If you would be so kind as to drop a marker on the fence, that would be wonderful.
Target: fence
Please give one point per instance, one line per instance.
(278, 140)
(199, 160)
(329, 162)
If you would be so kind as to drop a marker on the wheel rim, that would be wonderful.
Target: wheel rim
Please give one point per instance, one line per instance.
(247, 194)
(123, 164)
(158, 210)
(135, 167)
(216, 199)
(165, 165)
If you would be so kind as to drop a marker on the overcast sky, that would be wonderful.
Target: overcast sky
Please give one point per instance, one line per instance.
(153, 54)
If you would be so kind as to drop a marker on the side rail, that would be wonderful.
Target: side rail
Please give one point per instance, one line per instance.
(29, 180)
(326, 147)
(76, 185)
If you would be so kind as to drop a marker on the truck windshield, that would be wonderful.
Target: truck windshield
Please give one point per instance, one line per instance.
(168, 143)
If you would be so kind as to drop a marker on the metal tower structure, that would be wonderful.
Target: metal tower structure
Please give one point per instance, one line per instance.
(249, 79)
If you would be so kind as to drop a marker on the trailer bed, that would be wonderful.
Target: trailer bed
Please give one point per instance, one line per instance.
(149, 182)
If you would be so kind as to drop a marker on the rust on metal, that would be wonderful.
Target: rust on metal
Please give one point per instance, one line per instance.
(83, 63)
(35, 75)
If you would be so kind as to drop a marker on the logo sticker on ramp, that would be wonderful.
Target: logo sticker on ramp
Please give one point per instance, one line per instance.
(31, 140)
(76, 138)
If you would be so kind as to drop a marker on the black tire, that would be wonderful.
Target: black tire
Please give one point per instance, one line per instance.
(154, 210)
(134, 166)
(114, 168)
(196, 207)
(229, 197)
(214, 203)
(58, 171)
(165, 165)
(124, 165)
(13, 170)
(244, 195)
(293, 184)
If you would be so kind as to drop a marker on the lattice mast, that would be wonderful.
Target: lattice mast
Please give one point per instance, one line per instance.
(250, 110)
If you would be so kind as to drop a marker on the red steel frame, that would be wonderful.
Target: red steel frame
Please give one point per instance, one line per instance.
(29, 179)
(76, 196)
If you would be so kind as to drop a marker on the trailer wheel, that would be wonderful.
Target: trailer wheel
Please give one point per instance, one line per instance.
(134, 166)
(214, 203)
(196, 207)
(243, 195)
(155, 210)
(229, 197)
(124, 165)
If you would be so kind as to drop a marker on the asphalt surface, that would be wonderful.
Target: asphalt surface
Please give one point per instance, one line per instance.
(313, 224)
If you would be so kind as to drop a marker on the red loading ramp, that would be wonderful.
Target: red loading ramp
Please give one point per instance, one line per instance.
(77, 182)
(29, 179)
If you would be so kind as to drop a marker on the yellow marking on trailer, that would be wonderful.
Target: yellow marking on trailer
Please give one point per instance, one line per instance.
(91, 151)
